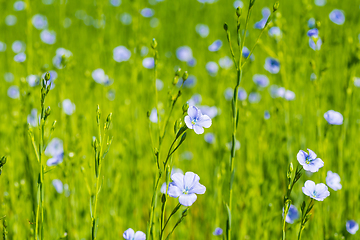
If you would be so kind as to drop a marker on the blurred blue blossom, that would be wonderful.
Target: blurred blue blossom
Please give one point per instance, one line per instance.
(275, 32)
(153, 116)
(115, 3)
(100, 77)
(61, 55)
(130, 234)
(48, 37)
(265, 15)
(318, 192)
(246, 52)
(333, 181)
(225, 62)
(238, 3)
(320, 3)
(218, 232)
(292, 215)
(147, 12)
(55, 149)
(203, 30)
(209, 111)
(215, 46)
(352, 227)
(58, 185)
(13, 92)
(337, 16)
(261, 80)
(315, 43)
(209, 138)
(18, 46)
(313, 32)
(185, 187)
(33, 118)
(148, 62)
(126, 18)
(184, 53)
(10, 20)
(68, 107)
(9, 77)
(159, 84)
(333, 117)
(357, 82)
(254, 97)
(121, 54)
(289, 95)
(39, 21)
(266, 115)
(311, 22)
(212, 68)
(272, 65)
(2, 46)
(310, 162)
(19, 5)
(196, 120)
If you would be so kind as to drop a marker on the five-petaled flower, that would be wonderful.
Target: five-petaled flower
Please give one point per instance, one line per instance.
(131, 235)
(185, 187)
(310, 162)
(318, 192)
(196, 120)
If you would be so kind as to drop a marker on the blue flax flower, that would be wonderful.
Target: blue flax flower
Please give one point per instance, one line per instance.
(318, 192)
(333, 117)
(310, 162)
(292, 215)
(337, 16)
(131, 235)
(218, 231)
(272, 65)
(333, 181)
(196, 120)
(185, 187)
(352, 227)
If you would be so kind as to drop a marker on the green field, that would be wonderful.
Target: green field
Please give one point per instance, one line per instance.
(271, 127)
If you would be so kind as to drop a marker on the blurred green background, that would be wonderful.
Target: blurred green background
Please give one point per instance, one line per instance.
(267, 146)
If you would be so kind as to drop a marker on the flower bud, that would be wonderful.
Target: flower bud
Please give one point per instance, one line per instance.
(185, 107)
(47, 76)
(238, 11)
(177, 73)
(154, 43)
(276, 6)
(185, 76)
(225, 26)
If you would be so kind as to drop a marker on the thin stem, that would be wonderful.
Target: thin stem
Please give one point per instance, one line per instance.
(167, 221)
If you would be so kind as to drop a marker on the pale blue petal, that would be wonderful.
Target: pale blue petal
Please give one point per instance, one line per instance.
(178, 179)
(187, 199)
(173, 190)
(139, 235)
(129, 234)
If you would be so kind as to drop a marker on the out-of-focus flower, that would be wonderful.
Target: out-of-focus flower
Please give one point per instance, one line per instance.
(218, 232)
(333, 181)
(39, 21)
(68, 107)
(148, 63)
(58, 185)
(292, 215)
(121, 54)
(352, 227)
(13, 92)
(215, 46)
(333, 117)
(261, 80)
(272, 65)
(337, 16)
(48, 37)
(203, 30)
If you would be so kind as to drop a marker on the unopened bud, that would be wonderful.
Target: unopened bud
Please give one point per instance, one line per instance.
(177, 73)
(225, 26)
(185, 107)
(153, 43)
(47, 76)
(238, 11)
(185, 76)
(276, 6)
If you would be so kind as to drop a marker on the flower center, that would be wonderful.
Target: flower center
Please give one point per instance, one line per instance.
(193, 121)
(186, 190)
(314, 194)
(308, 160)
